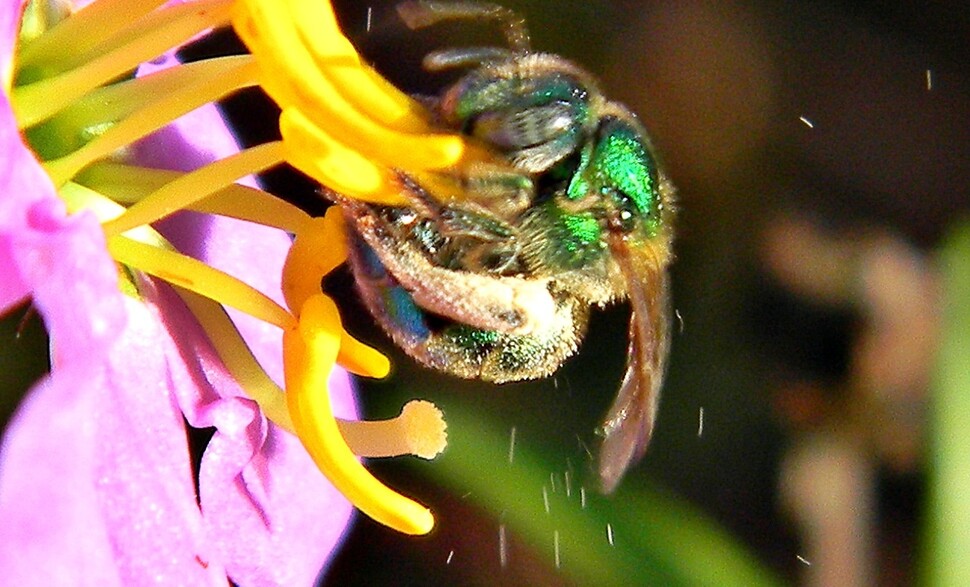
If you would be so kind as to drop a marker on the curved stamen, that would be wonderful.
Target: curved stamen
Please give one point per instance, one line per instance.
(194, 275)
(83, 31)
(418, 430)
(309, 355)
(195, 186)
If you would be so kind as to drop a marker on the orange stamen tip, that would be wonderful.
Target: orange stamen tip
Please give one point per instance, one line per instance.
(425, 429)
(419, 430)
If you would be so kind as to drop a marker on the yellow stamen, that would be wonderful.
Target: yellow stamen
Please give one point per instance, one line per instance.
(317, 250)
(359, 85)
(298, 44)
(81, 32)
(419, 430)
(238, 359)
(196, 276)
(177, 88)
(360, 359)
(147, 120)
(196, 185)
(310, 68)
(316, 153)
(129, 184)
(125, 183)
(144, 40)
(309, 354)
(320, 247)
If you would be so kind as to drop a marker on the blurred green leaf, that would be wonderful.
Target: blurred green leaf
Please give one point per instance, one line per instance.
(946, 561)
(652, 538)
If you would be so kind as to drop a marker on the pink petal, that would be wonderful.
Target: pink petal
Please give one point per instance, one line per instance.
(271, 514)
(10, 11)
(97, 486)
(51, 533)
(289, 539)
(95, 480)
(22, 185)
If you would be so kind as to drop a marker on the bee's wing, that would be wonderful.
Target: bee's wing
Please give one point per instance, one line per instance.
(629, 423)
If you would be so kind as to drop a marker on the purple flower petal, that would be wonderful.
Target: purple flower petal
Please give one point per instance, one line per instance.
(288, 540)
(10, 12)
(97, 484)
(273, 516)
(22, 185)
(94, 476)
(49, 532)
(95, 481)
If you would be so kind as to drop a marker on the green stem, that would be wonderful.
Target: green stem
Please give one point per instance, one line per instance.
(147, 39)
(948, 533)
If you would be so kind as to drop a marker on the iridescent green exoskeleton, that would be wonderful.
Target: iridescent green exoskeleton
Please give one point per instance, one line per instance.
(498, 285)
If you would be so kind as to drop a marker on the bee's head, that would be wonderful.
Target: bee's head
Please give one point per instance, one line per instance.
(533, 108)
(616, 174)
(609, 194)
(536, 109)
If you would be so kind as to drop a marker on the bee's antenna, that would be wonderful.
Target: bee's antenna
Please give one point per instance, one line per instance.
(418, 14)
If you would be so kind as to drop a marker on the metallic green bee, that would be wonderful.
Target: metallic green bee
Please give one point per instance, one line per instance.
(498, 286)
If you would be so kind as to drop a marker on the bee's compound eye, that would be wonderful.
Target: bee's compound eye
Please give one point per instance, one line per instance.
(535, 119)
(628, 172)
(511, 130)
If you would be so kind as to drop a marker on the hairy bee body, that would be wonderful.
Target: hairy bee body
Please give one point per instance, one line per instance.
(498, 286)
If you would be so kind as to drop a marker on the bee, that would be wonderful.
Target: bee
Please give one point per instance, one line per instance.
(498, 285)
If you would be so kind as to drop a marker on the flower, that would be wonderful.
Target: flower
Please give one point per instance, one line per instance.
(98, 448)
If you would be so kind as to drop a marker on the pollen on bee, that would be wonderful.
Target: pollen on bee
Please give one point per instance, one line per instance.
(535, 306)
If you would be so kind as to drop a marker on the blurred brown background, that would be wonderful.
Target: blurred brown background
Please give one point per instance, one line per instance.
(820, 152)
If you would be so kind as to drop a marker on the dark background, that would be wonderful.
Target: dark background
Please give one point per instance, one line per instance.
(721, 86)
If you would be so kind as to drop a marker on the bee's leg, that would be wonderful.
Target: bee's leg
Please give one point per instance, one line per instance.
(506, 304)
(500, 188)
(392, 305)
(464, 57)
(500, 358)
(418, 14)
(459, 349)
